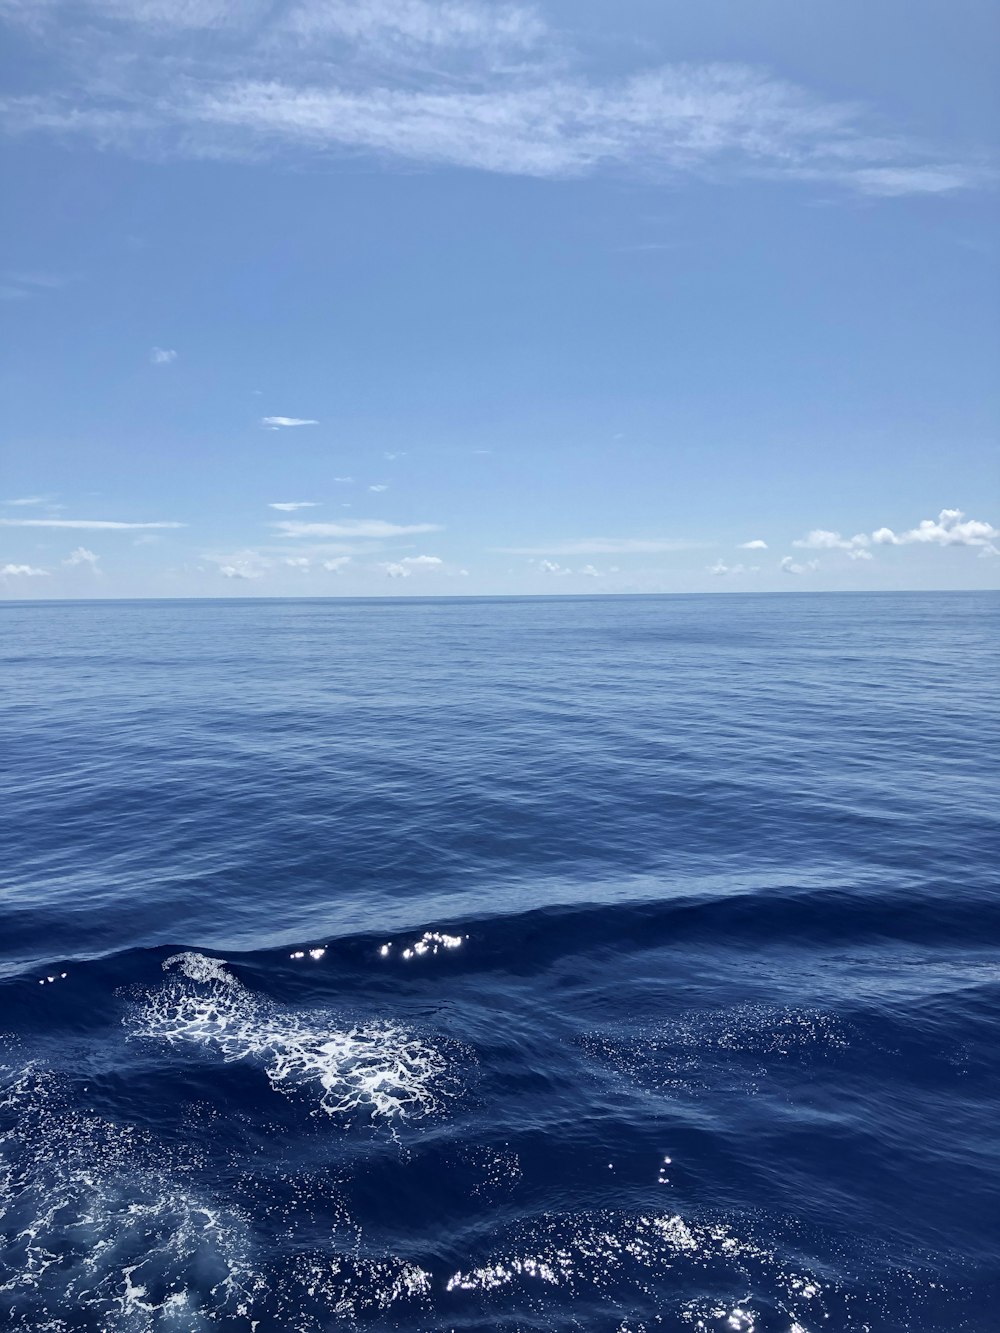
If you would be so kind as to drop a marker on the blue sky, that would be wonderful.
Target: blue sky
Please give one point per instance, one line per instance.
(589, 297)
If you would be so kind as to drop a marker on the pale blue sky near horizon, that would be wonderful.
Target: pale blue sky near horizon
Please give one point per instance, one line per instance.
(563, 298)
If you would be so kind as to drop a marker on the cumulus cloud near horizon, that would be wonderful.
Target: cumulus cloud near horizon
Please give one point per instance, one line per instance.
(950, 528)
(22, 571)
(410, 564)
(788, 565)
(720, 568)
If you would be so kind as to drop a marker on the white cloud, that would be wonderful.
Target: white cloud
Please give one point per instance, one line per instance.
(378, 489)
(386, 25)
(551, 567)
(81, 556)
(22, 571)
(88, 524)
(822, 540)
(29, 500)
(240, 571)
(347, 481)
(335, 566)
(590, 572)
(353, 527)
(162, 356)
(604, 546)
(279, 423)
(297, 561)
(756, 545)
(455, 83)
(290, 506)
(790, 566)
(411, 564)
(721, 568)
(950, 528)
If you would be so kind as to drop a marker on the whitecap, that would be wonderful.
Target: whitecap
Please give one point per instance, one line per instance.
(378, 1068)
(200, 968)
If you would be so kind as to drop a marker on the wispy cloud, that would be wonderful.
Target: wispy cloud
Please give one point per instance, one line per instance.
(22, 286)
(720, 568)
(379, 488)
(820, 539)
(89, 524)
(162, 356)
(353, 527)
(22, 571)
(758, 544)
(281, 423)
(789, 566)
(81, 556)
(290, 506)
(30, 500)
(338, 564)
(605, 546)
(456, 83)
(241, 571)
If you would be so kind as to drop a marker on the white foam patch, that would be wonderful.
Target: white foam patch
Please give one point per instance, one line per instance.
(200, 968)
(99, 1230)
(380, 1069)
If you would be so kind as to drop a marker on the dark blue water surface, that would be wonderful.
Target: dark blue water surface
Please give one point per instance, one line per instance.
(608, 964)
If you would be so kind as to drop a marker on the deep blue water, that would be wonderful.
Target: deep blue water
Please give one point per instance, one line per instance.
(607, 964)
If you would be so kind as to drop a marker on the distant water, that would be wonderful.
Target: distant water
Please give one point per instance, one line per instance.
(607, 964)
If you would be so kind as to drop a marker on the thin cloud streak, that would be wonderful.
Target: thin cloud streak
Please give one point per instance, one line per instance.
(92, 524)
(606, 546)
(359, 527)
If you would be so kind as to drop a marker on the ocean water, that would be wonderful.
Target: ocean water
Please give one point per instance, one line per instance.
(619, 964)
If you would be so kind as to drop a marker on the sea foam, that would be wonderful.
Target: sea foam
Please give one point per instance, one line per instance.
(380, 1069)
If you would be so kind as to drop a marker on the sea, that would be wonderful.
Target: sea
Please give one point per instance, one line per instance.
(611, 963)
